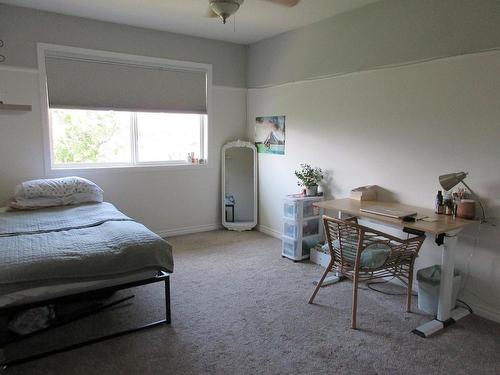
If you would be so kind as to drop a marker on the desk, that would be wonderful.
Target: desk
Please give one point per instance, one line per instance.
(445, 229)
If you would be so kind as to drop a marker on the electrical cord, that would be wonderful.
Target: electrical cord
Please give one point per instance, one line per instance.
(469, 261)
(466, 305)
(369, 286)
(491, 223)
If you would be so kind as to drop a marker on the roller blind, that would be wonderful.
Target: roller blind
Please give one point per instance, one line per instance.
(111, 85)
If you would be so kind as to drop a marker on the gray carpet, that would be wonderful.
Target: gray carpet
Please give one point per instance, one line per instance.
(239, 308)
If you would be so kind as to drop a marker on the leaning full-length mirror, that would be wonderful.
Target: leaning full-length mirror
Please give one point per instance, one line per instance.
(239, 185)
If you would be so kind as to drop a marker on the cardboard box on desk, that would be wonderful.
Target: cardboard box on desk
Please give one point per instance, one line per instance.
(364, 193)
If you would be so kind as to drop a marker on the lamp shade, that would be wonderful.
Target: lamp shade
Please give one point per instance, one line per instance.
(448, 181)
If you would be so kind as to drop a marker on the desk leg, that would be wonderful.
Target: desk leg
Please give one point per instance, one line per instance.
(445, 316)
(446, 287)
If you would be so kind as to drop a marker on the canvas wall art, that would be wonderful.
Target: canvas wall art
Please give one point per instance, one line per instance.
(270, 135)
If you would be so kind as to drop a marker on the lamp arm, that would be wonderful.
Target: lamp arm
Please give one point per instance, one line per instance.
(483, 219)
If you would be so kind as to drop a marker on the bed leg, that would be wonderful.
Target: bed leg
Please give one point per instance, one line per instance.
(167, 301)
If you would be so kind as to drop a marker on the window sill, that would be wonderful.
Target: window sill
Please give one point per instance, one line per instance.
(57, 171)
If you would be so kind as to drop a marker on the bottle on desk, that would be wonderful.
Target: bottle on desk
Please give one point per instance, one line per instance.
(439, 203)
(448, 203)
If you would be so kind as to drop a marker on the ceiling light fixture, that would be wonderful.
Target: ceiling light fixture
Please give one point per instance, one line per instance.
(224, 8)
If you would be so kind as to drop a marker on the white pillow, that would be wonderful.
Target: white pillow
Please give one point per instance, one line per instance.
(33, 203)
(55, 192)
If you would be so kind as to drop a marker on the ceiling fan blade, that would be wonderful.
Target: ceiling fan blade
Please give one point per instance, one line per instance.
(287, 3)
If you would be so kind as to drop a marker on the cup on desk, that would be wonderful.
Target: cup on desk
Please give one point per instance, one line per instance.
(466, 209)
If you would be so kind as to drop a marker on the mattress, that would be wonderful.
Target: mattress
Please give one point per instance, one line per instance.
(36, 294)
(56, 250)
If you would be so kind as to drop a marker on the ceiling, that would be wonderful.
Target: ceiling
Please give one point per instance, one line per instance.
(256, 19)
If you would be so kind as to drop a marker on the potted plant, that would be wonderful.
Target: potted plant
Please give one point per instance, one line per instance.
(309, 177)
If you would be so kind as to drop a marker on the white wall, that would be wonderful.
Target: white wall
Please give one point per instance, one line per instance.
(167, 201)
(398, 128)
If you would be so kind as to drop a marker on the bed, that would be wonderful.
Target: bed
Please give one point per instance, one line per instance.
(51, 253)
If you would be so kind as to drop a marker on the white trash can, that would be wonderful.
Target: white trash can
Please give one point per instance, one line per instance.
(429, 280)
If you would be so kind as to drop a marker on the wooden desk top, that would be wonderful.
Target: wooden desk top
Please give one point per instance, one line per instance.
(444, 224)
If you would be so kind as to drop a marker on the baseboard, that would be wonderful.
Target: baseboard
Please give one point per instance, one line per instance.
(188, 230)
(18, 69)
(269, 231)
(485, 312)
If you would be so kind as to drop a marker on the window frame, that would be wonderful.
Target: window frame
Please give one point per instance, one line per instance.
(134, 143)
(51, 168)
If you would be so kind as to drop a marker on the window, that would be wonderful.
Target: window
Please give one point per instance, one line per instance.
(108, 109)
(102, 138)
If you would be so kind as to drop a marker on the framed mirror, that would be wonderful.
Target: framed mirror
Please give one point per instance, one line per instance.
(239, 185)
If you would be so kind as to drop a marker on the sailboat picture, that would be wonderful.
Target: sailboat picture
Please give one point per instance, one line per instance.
(270, 135)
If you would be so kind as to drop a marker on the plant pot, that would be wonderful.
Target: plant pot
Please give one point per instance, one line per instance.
(311, 191)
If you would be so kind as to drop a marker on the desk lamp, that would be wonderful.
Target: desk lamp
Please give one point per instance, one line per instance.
(449, 181)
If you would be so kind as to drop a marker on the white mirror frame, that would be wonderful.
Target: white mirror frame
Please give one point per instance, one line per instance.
(242, 225)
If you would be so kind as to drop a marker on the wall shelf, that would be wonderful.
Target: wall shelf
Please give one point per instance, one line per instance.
(15, 107)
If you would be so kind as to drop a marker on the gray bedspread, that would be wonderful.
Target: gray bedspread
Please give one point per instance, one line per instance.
(71, 244)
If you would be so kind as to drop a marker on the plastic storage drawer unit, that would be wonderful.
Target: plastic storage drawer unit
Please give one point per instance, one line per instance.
(298, 250)
(301, 226)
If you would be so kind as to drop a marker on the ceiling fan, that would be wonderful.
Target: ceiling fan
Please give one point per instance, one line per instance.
(226, 8)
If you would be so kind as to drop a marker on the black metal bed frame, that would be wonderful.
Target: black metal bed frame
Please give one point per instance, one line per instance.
(161, 276)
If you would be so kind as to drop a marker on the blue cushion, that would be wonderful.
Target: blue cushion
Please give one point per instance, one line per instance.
(373, 256)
